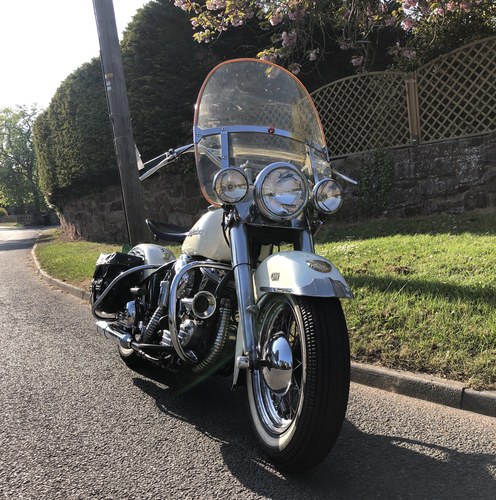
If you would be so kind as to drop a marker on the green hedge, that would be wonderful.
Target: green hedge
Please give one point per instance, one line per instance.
(73, 141)
(164, 70)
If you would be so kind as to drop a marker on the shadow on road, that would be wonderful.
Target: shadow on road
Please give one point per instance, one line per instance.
(361, 465)
(17, 244)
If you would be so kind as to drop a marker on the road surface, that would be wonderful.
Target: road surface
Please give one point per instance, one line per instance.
(77, 424)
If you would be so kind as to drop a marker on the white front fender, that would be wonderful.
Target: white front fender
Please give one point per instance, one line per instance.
(300, 273)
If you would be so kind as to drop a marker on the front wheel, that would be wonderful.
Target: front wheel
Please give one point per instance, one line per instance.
(298, 425)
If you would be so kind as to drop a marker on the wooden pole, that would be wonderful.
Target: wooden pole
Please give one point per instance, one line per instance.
(115, 88)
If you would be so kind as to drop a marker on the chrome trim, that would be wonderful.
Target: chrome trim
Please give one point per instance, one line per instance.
(259, 184)
(315, 193)
(244, 287)
(306, 241)
(94, 307)
(323, 287)
(187, 356)
(170, 156)
(220, 195)
(277, 367)
(199, 134)
(112, 332)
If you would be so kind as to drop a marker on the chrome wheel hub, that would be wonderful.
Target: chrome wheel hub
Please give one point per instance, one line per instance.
(277, 367)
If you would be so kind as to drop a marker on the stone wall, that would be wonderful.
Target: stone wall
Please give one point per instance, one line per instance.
(100, 216)
(450, 176)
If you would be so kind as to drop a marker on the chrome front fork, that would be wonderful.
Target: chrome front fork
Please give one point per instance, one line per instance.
(247, 356)
(246, 297)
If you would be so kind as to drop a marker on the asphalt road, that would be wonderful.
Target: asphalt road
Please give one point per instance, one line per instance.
(76, 423)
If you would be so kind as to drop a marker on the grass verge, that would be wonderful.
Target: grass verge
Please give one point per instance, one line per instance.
(70, 261)
(425, 290)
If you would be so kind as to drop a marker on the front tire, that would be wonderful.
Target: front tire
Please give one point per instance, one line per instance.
(298, 429)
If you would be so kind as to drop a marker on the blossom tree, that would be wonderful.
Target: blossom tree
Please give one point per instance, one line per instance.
(296, 24)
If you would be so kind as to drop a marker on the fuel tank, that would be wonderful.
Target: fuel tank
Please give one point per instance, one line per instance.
(206, 238)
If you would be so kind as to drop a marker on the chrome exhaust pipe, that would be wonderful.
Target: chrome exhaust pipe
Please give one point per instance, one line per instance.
(203, 304)
(111, 332)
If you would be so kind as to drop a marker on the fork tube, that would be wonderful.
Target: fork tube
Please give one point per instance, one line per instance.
(306, 242)
(244, 286)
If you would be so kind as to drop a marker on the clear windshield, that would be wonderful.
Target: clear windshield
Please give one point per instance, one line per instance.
(251, 113)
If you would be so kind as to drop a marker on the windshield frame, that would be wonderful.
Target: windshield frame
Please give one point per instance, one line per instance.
(223, 132)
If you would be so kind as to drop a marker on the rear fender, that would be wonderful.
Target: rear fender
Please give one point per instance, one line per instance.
(152, 254)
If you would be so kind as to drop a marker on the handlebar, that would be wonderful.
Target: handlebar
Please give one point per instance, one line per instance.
(164, 159)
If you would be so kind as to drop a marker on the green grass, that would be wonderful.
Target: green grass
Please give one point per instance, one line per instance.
(70, 261)
(425, 293)
(425, 290)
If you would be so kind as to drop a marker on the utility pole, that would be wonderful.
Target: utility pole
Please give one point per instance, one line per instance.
(115, 88)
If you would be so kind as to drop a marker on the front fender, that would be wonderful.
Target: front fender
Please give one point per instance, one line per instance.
(300, 273)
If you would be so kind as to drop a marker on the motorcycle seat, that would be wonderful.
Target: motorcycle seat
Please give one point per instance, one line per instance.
(167, 232)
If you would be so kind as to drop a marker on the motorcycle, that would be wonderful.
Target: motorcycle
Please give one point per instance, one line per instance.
(248, 297)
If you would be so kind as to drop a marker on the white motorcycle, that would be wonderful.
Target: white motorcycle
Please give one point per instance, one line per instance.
(248, 297)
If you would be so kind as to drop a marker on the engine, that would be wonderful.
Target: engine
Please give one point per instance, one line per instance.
(205, 302)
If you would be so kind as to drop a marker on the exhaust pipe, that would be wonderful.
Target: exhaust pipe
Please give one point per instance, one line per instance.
(113, 332)
(203, 304)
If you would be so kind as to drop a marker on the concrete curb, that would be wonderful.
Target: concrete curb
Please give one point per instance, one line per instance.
(62, 285)
(426, 387)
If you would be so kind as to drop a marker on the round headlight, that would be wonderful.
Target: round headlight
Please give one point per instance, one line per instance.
(327, 196)
(281, 191)
(231, 185)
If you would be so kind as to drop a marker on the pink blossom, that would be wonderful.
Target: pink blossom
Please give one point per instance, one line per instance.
(409, 54)
(270, 57)
(295, 68)
(357, 61)
(297, 15)
(237, 21)
(276, 18)
(410, 4)
(451, 6)
(407, 24)
(215, 4)
(438, 11)
(465, 6)
(312, 54)
(288, 39)
(183, 4)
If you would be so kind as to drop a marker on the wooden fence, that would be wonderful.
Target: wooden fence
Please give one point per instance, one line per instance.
(451, 97)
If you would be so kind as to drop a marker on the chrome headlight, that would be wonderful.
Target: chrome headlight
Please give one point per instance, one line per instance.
(281, 191)
(231, 185)
(327, 196)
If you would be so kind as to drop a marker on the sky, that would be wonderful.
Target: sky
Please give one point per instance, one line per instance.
(43, 41)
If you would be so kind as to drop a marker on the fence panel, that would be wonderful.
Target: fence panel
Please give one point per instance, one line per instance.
(364, 112)
(457, 93)
(451, 97)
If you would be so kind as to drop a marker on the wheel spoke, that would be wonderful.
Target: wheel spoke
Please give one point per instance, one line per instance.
(278, 412)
